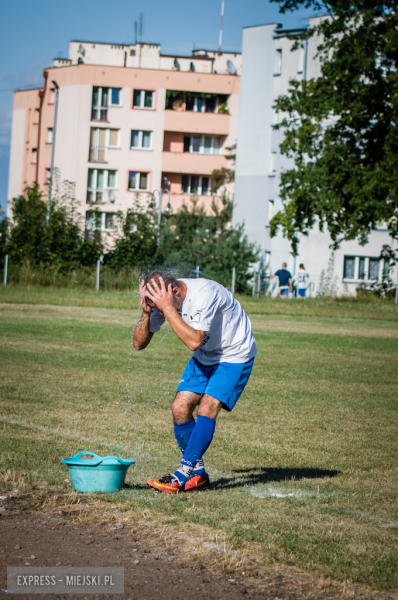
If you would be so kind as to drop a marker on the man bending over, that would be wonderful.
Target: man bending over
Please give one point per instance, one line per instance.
(212, 324)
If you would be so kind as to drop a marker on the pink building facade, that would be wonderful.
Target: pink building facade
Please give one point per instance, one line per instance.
(121, 130)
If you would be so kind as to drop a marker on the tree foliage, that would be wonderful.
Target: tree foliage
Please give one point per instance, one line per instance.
(341, 129)
(27, 238)
(191, 237)
(136, 243)
(187, 239)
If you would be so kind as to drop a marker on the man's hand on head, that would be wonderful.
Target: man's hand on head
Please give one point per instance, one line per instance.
(159, 295)
(144, 300)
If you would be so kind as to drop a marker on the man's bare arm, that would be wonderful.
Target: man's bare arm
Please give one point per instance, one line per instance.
(141, 334)
(163, 299)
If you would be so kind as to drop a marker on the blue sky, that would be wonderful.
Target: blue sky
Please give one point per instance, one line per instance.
(33, 33)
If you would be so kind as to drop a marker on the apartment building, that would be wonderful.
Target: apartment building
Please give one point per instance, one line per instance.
(268, 64)
(130, 120)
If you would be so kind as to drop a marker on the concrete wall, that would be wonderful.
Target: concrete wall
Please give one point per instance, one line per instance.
(254, 132)
(16, 156)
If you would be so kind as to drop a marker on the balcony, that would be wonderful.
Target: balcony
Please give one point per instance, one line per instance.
(185, 162)
(196, 122)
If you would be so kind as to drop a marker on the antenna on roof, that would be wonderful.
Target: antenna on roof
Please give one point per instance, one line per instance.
(141, 24)
(135, 30)
(176, 64)
(221, 27)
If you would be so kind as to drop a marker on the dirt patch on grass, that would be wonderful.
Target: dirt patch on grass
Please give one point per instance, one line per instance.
(50, 528)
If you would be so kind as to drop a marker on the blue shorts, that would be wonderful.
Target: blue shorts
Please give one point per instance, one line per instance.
(301, 293)
(223, 381)
(284, 291)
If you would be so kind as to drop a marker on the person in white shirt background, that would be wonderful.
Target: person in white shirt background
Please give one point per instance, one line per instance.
(300, 279)
(212, 324)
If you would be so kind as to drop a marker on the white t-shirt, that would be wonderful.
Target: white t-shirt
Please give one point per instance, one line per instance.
(301, 277)
(209, 307)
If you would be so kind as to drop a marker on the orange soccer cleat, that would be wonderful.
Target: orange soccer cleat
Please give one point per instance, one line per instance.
(197, 482)
(168, 484)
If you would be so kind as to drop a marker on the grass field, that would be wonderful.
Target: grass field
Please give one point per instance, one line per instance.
(304, 469)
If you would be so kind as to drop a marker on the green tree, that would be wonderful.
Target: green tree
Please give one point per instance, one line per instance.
(136, 244)
(341, 129)
(191, 237)
(61, 243)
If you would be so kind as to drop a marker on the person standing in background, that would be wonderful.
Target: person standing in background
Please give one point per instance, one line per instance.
(285, 281)
(300, 279)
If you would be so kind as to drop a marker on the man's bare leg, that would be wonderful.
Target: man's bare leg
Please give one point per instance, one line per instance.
(185, 403)
(183, 406)
(209, 407)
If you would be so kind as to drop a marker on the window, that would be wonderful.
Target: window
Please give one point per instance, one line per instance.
(99, 111)
(100, 221)
(115, 97)
(113, 138)
(100, 140)
(34, 156)
(102, 98)
(141, 139)
(301, 60)
(99, 181)
(216, 145)
(195, 184)
(271, 205)
(196, 143)
(386, 269)
(199, 104)
(374, 265)
(50, 135)
(349, 267)
(142, 99)
(138, 181)
(199, 144)
(363, 268)
(109, 220)
(207, 144)
(205, 186)
(51, 99)
(278, 62)
(209, 103)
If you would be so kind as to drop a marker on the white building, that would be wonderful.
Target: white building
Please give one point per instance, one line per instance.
(267, 66)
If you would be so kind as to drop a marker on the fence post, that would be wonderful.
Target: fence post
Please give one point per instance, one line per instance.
(5, 269)
(98, 275)
(396, 289)
(233, 282)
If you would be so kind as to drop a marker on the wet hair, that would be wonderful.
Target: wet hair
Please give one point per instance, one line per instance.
(301, 266)
(284, 265)
(167, 277)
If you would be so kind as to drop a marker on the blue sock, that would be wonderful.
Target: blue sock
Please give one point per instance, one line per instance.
(199, 441)
(182, 434)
